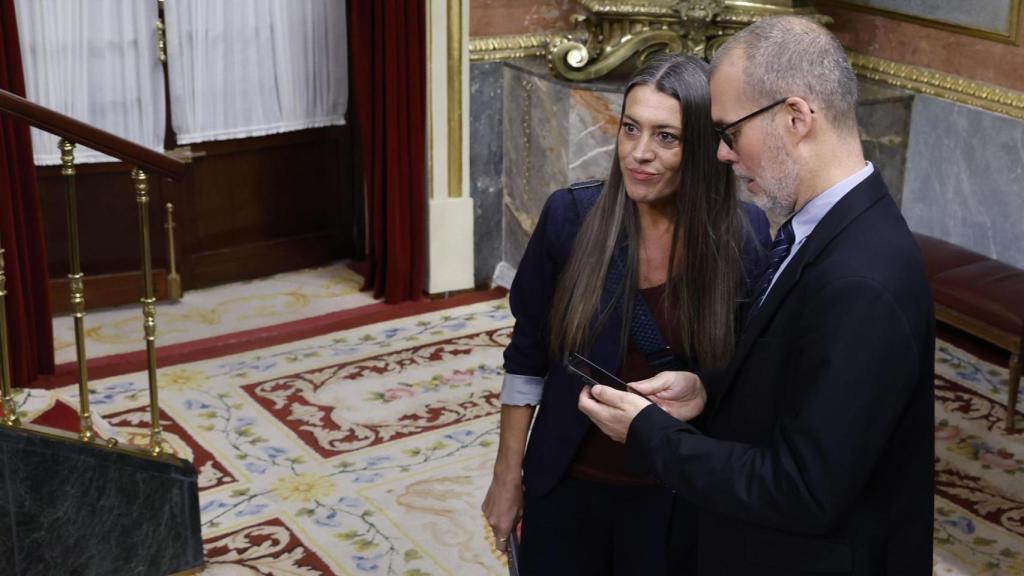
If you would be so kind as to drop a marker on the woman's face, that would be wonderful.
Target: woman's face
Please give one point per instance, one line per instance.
(650, 145)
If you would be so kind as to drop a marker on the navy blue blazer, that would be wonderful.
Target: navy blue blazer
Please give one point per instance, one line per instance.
(817, 449)
(559, 426)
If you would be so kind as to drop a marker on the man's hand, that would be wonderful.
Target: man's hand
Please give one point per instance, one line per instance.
(611, 410)
(681, 394)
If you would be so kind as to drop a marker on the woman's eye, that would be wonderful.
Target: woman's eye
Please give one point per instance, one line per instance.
(668, 137)
(630, 128)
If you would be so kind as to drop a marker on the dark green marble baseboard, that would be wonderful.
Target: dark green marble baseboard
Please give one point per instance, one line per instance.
(72, 509)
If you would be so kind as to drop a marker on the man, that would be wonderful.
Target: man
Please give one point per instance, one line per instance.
(815, 450)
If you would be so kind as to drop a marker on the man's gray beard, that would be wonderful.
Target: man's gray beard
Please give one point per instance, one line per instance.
(778, 181)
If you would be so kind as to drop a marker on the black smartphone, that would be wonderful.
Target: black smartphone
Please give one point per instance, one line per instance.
(513, 554)
(593, 374)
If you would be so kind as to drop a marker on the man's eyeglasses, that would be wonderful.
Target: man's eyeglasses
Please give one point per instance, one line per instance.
(723, 131)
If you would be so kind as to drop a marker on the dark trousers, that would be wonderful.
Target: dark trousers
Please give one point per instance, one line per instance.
(594, 529)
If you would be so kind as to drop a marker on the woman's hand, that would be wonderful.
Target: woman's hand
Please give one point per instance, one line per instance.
(681, 394)
(503, 505)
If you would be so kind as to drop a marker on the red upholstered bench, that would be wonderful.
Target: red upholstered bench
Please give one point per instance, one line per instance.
(981, 296)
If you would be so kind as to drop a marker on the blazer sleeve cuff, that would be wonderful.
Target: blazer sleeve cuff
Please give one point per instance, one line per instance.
(646, 437)
(519, 390)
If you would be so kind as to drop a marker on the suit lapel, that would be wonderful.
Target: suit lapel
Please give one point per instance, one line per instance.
(855, 202)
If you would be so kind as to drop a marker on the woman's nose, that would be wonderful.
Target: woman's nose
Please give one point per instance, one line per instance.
(643, 151)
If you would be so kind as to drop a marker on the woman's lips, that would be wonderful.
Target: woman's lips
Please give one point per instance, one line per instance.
(642, 175)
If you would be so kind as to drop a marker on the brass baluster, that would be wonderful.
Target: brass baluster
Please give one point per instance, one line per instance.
(161, 33)
(76, 285)
(148, 308)
(10, 410)
(173, 279)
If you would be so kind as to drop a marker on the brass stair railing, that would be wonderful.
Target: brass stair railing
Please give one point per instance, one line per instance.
(72, 132)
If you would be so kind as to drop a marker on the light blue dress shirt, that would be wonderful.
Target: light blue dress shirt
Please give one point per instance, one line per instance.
(808, 217)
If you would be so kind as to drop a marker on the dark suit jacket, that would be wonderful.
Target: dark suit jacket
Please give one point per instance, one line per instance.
(817, 449)
(559, 426)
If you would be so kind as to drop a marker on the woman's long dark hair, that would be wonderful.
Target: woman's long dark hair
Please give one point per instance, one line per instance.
(702, 289)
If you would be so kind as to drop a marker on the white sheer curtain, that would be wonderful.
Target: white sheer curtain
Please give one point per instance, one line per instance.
(96, 61)
(241, 68)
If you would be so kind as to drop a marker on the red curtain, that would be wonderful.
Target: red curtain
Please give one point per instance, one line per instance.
(29, 322)
(388, 78)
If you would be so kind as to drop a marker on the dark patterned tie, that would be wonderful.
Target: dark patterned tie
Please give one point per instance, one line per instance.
(780, 250)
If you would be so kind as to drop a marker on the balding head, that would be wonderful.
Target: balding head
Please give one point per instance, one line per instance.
(794, 56)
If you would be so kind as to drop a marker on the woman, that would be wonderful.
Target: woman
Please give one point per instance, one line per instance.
(665, 231)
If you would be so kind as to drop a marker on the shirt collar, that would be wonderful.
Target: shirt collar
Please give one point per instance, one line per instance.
(808, 217)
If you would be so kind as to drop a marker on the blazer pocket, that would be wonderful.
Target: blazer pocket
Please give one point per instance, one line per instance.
(797, 554)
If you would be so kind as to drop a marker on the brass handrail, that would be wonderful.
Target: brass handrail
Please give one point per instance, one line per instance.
(74, 132)
(90, 136)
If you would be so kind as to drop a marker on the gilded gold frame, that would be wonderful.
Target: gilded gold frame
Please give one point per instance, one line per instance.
(940, 84)
(1010, 37)
(490, 48)
(922, 80)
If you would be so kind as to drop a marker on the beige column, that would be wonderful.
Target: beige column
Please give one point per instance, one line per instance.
(450, 208)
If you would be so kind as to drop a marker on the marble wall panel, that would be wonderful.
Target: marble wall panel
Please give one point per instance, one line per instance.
(965, 178)
(593, 126)
(536, 138)
(883, 115)
(485, 166)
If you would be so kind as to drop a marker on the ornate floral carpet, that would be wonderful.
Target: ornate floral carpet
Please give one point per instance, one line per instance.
(979, 470)
(368, 451)
(365, 451)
